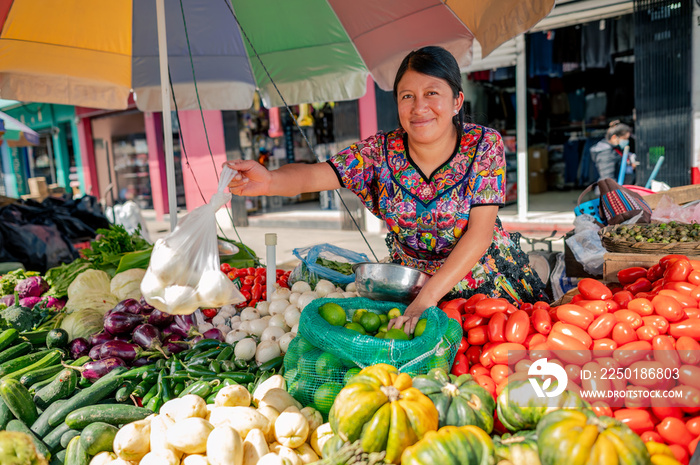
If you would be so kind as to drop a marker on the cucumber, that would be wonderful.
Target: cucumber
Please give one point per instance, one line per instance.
(77, 363)
(52, 358)
(8, 337)
(102, 388)
(98, 437)
(61, 457)
(18, 400)
(57, 339)
(40, 374)
(15, 351)
(37, 338)
(114, 414)
(21, 427)
(41, 426)
(21, 362)
(53, 439)
(76, 453)
(67, 436)
(5, 414)
(60, 388)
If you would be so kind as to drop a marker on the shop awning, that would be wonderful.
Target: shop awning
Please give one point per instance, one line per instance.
(16, 133)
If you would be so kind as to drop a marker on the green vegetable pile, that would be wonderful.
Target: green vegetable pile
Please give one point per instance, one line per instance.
(340, 267)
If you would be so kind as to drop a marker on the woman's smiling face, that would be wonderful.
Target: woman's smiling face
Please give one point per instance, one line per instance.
(426, 107)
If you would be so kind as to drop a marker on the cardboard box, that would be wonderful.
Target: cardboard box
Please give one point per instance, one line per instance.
(537, 158)
(537, 182)
(614, 262)
(38, 187)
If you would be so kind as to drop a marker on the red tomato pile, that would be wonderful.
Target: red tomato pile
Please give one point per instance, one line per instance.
(251, 282)
(650, 321)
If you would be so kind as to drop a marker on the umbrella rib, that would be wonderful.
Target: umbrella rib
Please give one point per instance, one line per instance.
(397, 19)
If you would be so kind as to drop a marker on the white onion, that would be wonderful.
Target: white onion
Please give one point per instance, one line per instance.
(218, 320)
(272, 333)
(234, 324)
(204, 327)
(263, 308)
(281, 294)
(235, 319)
(348, 295)
(305, 299)
(285, 340)
(352, 287)
(244, 326)
(227, 310)
(245, 349)
(235, 336)
(294, 297)
(278, 320)
(257, 327)
(266, 318)
(291, 316)
(249, 313)
(224, 329)
(324, 287)
(301, 287)
(266, 351)
(277, 306)
(295, 329)
(335, 295)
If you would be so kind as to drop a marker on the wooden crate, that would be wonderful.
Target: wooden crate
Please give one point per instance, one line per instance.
(680, 195)
(615, 262)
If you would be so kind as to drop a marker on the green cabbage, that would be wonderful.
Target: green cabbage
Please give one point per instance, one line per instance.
(89, 282)
(83, 323)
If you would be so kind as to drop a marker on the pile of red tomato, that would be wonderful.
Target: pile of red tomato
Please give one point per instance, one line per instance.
(251, 282)
(649, 321)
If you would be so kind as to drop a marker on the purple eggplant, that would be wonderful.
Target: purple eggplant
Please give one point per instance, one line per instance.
(8, 300)
(99, 368)
(122, 322)
(100, 338)
(141, 361)
(174, 343)
(119, 349)
(129, 306)
(213, 333)
(78, 347)
(174, 328)
(148, 337)
(29, 302)
(184, 326)
(159, 319)
(95, 352)
(147, 308)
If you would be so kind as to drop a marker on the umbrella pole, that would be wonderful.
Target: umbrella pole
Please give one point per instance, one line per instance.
(167, 118)
(521, 127)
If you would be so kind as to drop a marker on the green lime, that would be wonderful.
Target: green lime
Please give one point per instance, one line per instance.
(325, 395)
(394, 313)
(327, 365)
(440, 361)
(380, 334)
(396, 333)
(356, 327)
(350, 373)
(370, 321)
(332, 313)
(383, 328)
(291, 375)
(301, 345)
(383, 318)
(307, 361)
(420, 327)
(358, 314)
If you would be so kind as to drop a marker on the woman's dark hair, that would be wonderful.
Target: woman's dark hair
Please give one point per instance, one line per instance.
(617, 129)
(437, 62)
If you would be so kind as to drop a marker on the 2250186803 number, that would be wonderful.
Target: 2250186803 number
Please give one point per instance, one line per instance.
(639, 373)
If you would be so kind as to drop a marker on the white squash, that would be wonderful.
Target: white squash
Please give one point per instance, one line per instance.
(195, 459)
(291, 429)
(133, 440)
(188, 406)
(159, 428)
(224, 446)
(103, 458)
(319, 437)
(273, 459)
(279, 399)
(271, 414)
(119, 461)
(242, 419)
(232, 396)
(254, 447)
(286, 453)
(313, 416)
(161, 457)
(190, 435)
(306, 453)
(274, 381)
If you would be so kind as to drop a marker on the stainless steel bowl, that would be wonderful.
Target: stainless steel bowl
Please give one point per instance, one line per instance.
(388, 281)
(226, 249)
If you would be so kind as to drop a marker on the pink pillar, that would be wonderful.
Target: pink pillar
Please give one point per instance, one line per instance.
(87, 154)
(367, 106)
(202, 171)
(156, 162)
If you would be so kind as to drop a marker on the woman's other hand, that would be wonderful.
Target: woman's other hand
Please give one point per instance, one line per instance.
(252, 179)
(410, 317)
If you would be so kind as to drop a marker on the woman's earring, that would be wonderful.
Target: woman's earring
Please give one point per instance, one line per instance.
(456, 111)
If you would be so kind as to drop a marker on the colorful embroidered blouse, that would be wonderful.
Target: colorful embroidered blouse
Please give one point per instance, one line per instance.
(427, 215)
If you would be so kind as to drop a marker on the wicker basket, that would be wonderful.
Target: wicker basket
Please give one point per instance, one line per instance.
(684, 248)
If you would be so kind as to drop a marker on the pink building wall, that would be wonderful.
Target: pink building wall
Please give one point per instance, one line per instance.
(367, 108)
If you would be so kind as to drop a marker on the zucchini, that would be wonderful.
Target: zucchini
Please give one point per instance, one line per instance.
(15, 351)
(21, 362)
(114, 414)
(98, 437)
(57, 339)
(41, 426)
(53, 439)
(61, 456)
(5, 414)
(40, 374)
(60, 388)
(21, 427)
(40, 384)
(52, 358)
(67, 436)
(102, 388)
(18, 400)
(8, 337)
(37, 338)
(76, 453)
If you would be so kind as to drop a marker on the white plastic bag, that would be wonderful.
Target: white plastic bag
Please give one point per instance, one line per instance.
(129, 215)
(183, 274)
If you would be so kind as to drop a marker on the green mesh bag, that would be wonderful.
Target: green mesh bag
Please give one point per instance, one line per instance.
(323, 357)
